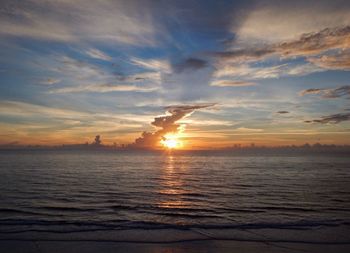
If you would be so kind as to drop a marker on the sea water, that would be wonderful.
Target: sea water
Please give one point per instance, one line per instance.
(126, 195)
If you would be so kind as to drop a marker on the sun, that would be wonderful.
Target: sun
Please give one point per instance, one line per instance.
(170, 142)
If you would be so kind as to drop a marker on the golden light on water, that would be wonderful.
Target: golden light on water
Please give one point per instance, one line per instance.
(172, 186)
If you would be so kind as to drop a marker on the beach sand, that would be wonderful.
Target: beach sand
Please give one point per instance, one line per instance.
(178, 247)
(317, 240)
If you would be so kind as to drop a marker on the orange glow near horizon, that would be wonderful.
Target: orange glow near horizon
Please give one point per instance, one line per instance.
(191, 139)
(171, 141)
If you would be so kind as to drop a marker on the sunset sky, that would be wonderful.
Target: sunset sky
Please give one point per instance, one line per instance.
(262, 72)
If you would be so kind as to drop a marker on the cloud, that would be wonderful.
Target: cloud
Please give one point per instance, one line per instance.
(248, 130)
(339, 61)
(334, 119)
(238, 62)
(311, 91)
(167, 124)
(16, 108)
(34, 123)
(76, 21)
(247, 54)
(79, 69)
(50, 81)
(307, 44)
(282, 112)
(329, 93)
(102, 88)
(20, 110)
(276, 21)
(97, 54)
(89, 76)
(248, 72)
(190, 64)
(83, 76)
(316, 42)
(152, 64)
(154, 77)
(231, 83)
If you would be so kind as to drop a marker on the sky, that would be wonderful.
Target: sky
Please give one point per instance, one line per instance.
(217, 73)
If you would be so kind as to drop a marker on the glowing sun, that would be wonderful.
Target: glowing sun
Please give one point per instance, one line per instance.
(170, 142)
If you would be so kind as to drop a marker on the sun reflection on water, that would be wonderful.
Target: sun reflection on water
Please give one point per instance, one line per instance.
(172, 187)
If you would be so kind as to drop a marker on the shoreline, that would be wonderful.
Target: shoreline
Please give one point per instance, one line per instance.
(325, 235)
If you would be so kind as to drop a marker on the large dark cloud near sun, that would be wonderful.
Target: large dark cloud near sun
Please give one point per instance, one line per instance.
(167, 124)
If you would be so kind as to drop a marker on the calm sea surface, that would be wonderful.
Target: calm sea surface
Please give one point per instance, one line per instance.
(85, 191)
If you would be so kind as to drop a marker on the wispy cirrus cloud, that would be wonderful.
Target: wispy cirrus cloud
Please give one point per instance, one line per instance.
(102, 88)
(114, 21)
(161, 65)
(23, 110)
(98, 54)
(151, 77)
(17, 108)
(232, 83)
(244, 54)
(45, 124)
(78, 75)
(50, 81)
(77, 68)
(248, 72)
(248, 130)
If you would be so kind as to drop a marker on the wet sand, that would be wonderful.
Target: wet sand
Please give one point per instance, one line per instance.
(318, 240)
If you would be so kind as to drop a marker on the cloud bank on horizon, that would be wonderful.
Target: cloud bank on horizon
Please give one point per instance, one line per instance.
(74, 69)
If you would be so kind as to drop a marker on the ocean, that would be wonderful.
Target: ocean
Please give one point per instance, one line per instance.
(169, 197)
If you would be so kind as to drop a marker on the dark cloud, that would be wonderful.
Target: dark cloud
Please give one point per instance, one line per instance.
(190, 64)
(310, 91)
(282, 112)
(329, 93)
(334, 118)
(166, 124)
(213, 20)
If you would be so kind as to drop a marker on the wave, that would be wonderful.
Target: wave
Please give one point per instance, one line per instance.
(16, 211)
(126, 224)
(67, 209)
(291, 209)
(176, 240)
